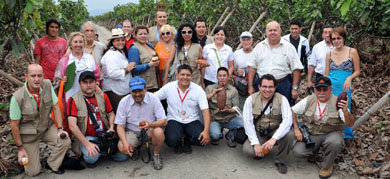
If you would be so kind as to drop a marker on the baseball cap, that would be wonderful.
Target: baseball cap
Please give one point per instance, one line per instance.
(323, 82)
(137, 83)
(246, 34)
(87, 74)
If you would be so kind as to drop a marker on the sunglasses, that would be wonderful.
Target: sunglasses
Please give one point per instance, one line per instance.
(322, 89)
(336, 38)
(186, 32)
(165, 33)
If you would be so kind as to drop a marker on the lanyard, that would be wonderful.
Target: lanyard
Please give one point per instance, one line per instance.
(38, 101)
(91, 106)
(182, 99)
(319, 109)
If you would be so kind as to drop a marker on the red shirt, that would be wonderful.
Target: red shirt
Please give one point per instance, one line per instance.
(72, 111)
(129, 42)
(51, 53)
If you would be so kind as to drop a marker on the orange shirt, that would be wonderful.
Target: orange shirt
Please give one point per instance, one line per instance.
(162, 53)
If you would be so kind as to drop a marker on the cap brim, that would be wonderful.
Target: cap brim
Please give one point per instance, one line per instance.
(322, 85)
(137, 87)
(246, 36)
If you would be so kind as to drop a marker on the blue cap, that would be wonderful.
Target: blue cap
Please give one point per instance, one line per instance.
(119, 26)
(137, 83)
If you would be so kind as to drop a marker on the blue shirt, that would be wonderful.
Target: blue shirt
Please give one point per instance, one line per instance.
(133, 56)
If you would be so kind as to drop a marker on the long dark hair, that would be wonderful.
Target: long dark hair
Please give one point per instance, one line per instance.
(110, 44)
(179, 37)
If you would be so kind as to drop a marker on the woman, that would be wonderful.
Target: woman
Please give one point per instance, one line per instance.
(342, 66)
(218, 54)
(78, 60)
(116, 68)
(142, 53)
(165, 49)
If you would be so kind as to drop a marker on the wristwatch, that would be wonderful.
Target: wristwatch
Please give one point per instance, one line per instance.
(61, 128)
(295, 88)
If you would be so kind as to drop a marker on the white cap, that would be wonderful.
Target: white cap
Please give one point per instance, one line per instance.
(246, 34)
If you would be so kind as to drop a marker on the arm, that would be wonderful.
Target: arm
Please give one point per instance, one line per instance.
(111, 118)
(202, 68)
(298, 109)
(296, 75)
(327, 64)
(230, 68)
(125, 148)
(58, 117)
(356, 69)
(251, 76)
(91, 148)
(297, 132)
(171, 57)
(309, 76)
(37, 59)
(133, 56)
(349, 118)
(16, 135)
(205, 136)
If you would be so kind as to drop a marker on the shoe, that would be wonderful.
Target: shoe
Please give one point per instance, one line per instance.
(136, 154)
(187, 147)
(157, 162)
(230, 142)
(90, 165)
(282, 168)
(326, 173)
(214, 142)
(59, 171)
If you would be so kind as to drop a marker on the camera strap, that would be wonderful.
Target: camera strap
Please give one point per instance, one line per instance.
(263, 111)
(91, 115)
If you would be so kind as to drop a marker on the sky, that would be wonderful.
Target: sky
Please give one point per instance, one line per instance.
(98, 7)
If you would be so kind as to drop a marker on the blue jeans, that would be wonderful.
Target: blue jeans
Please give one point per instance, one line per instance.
(232, 125)
(284, 87)
(119, 157)
(174, 132)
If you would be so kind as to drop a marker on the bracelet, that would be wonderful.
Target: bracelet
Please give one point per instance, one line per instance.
(19, 146)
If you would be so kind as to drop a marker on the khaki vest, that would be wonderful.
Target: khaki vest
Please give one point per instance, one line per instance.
(34, 123)
(192, 56)
(150, 76)
(274, 118)
(221, 116)
(152, 38)
(82, 116)
(334, 122)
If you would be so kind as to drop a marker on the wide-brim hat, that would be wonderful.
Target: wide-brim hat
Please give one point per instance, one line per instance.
(117, 33)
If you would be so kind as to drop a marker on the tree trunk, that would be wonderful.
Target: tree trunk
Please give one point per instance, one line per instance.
(311, 31)
(11, 78)
(262, 15)
(220, 19)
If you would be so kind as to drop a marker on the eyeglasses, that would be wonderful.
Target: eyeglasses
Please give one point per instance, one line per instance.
(189, 32)
(267, 87)
(322, 89)
(165, 33)
(336, 38)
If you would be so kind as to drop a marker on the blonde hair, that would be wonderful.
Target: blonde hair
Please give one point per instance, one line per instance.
(166, 28)
(74, 34)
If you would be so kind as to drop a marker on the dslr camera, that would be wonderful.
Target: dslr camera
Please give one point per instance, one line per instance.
(265, 132)
(106, 143)
(306, 136)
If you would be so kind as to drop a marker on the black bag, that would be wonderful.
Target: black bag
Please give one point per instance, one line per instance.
(240, 136)
(70, 163)
(241, 84)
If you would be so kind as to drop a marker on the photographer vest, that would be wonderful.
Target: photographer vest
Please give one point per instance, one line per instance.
(333, 123)
(82, 116)
(192, 56)
(34, 123)
(213, 106)
(273, 119)
(152, 38)
(150, 75)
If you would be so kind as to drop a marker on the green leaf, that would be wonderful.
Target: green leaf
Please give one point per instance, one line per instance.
(11, 3)
(345, 7)
(29, 7)
(70, 74)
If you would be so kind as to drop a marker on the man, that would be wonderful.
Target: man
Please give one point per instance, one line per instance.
(184, 99)
(317, 60)
(49, 49)
(138, 111)
(89, 114)
(201, 30)
(324, 123)
(241, 64)
(30, 123)
(161, 19)
(127, 28)
(267, 121)
(300, 43)
(92, 47)
(278, 58)
(225, 118)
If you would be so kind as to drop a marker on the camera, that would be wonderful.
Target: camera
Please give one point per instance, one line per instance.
(106, 143)
(265, 132)
(143, 138)
(306, 136)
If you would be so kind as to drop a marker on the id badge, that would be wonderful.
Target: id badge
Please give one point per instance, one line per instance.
(99, 121)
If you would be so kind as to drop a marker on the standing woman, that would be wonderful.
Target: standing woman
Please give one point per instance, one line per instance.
(116, 68)
(342, 66)
(218, 54)
(165, 49)
(74, 64)
(142, 53)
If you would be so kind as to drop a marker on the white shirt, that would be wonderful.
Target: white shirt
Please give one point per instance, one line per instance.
(299, 108)
(284, 126)
(279, 61)
(302, 41)
(115, 78)
(86, 63)
(318, 57)
(195, 99)
(225, 55)
(241, 60)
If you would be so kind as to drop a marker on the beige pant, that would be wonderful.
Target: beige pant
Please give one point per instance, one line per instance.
(131, 137)
(282, 146)
(57, 145)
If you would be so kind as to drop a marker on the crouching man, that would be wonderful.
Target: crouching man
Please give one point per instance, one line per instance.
(138, 111)
(30, 123)
(267, 121)
(324, 125)
(90, 115)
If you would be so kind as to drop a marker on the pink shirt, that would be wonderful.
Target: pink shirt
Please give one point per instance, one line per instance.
(51, 53)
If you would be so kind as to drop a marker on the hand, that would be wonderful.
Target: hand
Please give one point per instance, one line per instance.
(61, 132)
(298, 134)
(204, 137)
(240, 72)
(21, 154)
(294, 94)
(127, 149)
(153, 64)
(251, 90)
(343, 105)
(111, 129)
(310, 84)
(144, 125)
(92, 149)
(347, 84)
(269, 144)
(217, 90)
(258, 150)
(230, 110)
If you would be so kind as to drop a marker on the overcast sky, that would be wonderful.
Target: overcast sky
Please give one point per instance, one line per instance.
(98, 7)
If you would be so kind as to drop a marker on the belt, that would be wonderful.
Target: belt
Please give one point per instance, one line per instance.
(282, 79)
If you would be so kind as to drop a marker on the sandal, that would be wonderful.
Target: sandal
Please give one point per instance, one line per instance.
(282, 168)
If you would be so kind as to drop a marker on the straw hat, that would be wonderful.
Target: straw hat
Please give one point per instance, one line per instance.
(117, 33)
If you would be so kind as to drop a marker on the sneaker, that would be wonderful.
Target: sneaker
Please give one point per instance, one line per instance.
(178, 149)
(281, 167)
(90, 165)
(230, 142)
(59, 171)
(214, 142)
(326, 173)
(136, 154)
(157, 162)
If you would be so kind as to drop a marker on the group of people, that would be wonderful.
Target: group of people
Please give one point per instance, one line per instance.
(177, 86)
